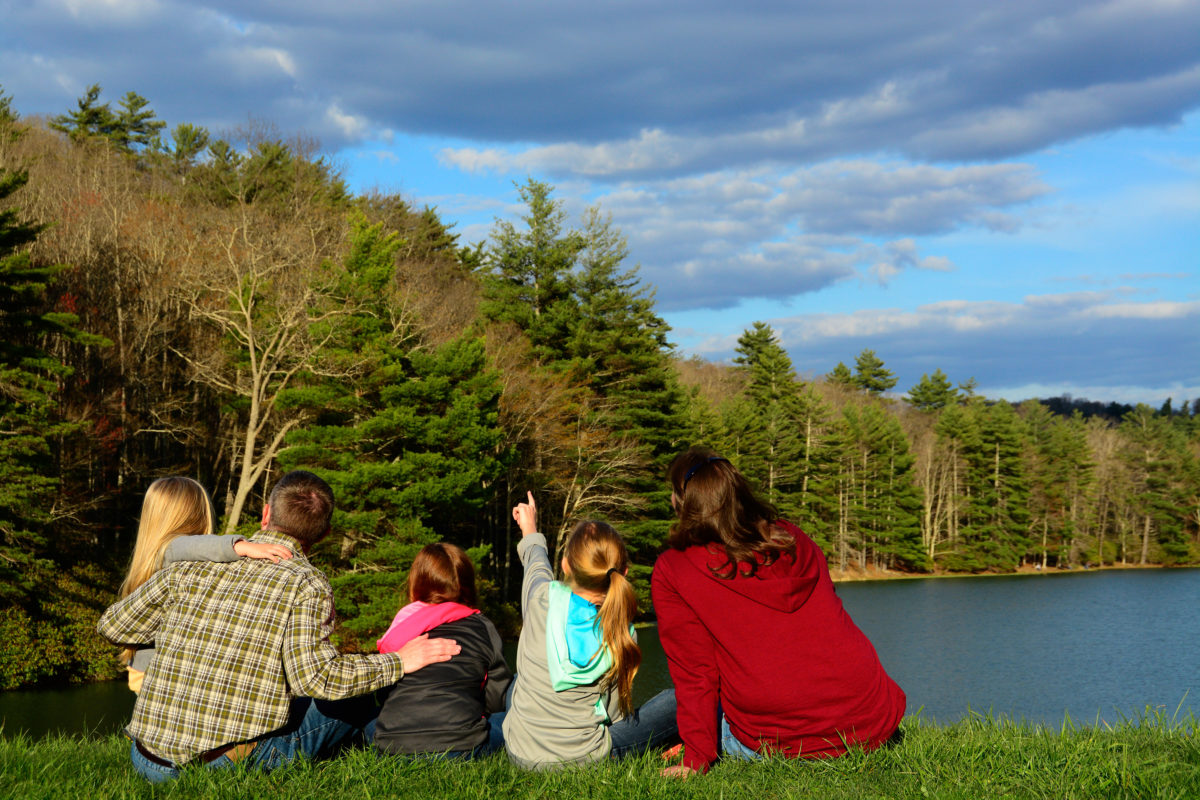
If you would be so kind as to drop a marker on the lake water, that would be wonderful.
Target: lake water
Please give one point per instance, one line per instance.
(1098, 646)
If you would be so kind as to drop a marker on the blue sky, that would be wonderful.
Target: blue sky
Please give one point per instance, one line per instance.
(1006, 191)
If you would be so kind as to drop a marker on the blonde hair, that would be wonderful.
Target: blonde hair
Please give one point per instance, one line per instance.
(598, 561)
(173, 507)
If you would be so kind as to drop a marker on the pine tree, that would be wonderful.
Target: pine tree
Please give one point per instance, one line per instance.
(878, 502)
(773, 457)
(842, 377)
(31, 422)
(135, 126)
(958, 435)
(409, 444)
(1058, 470)
(870, 375)
(1000, 490)
(527, 273)
(932, 393)
(1156, 458)
(91, 119)
(619, 349)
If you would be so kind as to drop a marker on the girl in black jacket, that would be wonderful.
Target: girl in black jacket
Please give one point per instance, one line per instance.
(444, 708)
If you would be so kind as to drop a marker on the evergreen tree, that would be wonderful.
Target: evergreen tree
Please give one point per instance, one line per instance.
(8, 115)
(1057, 468)
(619, 349)
(811, 496)
(773, 457)
(91, 118)
(1156, 457)
(409, 444)
(135, 126)
(527, 273)
(932, 393)
(878, 502)
(870, 375)
(842, 377)
(958, 435)
(1000, 490)
(187, 143)
(31, 422)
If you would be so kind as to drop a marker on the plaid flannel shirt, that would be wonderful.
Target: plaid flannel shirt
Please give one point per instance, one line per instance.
(236, 643)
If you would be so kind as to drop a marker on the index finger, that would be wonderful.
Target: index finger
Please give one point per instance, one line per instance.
(530, 495)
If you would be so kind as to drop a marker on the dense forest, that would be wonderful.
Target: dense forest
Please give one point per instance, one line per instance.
(174, 302)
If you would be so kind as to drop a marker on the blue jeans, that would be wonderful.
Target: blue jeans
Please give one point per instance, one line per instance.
(315, 729)
(732, 747)
(649, 727)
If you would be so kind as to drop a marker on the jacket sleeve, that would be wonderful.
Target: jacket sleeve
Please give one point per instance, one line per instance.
(538, 573)
(135, 619)
(691, 660)
(201, 548)
(313, 666)
(499, 676)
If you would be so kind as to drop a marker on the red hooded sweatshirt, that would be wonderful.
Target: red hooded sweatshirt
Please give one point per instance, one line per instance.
(791, 671)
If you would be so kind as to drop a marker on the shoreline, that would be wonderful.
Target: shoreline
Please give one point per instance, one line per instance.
(856, 575)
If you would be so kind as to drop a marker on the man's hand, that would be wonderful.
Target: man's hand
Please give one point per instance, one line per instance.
(423, 651)
(679, 771)
(265, 550)
(526, 516)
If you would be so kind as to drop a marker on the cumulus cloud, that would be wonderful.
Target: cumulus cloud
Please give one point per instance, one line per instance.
(714, 239)
(1099, 339)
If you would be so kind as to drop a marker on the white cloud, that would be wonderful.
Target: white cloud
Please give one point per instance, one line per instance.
(1093, 344)
(254, 59)
(352, 127)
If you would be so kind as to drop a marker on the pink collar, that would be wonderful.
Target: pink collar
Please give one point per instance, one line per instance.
(417, 618)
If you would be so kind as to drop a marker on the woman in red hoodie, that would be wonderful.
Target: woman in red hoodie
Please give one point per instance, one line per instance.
(764, 658)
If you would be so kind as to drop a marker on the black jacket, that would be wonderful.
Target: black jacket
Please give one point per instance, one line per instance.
(443, 707)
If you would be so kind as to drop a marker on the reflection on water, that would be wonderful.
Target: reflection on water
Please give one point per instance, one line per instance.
(1094, 646)
(98, 709)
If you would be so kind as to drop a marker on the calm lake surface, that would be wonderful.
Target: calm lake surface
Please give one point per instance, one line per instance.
(1096, 646)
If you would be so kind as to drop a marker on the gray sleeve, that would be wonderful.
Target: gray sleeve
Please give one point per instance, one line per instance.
(202, 548)
(141, 659)
(532, 552)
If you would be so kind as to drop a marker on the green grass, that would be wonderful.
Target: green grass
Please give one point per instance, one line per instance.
(1151, 757)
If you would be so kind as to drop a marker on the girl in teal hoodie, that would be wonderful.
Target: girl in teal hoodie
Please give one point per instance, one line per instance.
(572, 698)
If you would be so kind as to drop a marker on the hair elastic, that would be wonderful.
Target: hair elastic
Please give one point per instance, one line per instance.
(692, 471)
(610, 572)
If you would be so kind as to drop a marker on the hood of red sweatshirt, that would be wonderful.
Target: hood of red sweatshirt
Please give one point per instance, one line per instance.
(784, 585)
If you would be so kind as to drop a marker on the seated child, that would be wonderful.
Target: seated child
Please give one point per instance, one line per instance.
(444, 708)
(572, 701)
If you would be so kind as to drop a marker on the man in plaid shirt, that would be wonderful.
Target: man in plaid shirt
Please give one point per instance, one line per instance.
(244, 669)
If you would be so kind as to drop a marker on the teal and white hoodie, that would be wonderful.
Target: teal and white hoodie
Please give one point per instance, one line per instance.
(558, 715)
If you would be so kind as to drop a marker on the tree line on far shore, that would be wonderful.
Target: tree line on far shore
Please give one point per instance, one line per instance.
(225, 308)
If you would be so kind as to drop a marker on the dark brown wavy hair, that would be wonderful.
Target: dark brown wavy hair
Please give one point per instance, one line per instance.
(715, 505)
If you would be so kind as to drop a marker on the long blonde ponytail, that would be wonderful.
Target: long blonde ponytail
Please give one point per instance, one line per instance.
(174, 506)
(598, 561)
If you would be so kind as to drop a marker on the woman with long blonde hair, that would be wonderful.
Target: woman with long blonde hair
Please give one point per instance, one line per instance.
(572, 698)
(177, 524)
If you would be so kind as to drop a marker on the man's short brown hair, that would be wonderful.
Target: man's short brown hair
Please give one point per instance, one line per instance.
(301, 507)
